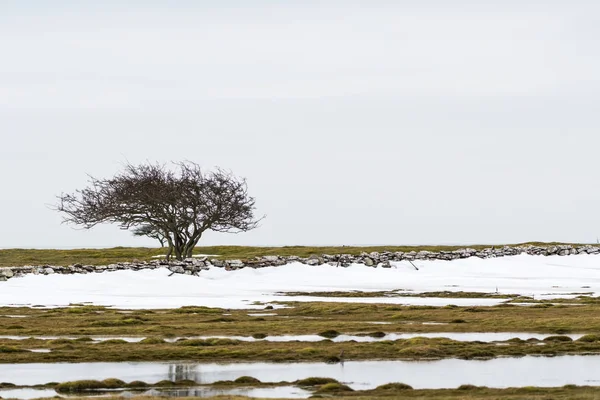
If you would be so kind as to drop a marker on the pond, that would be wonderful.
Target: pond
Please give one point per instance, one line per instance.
(290, 392)
(449, 373)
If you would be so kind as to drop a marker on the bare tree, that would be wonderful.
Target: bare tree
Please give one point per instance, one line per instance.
(151, 232)
(177, 204)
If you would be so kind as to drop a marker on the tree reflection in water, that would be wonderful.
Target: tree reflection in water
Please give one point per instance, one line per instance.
(180, 372)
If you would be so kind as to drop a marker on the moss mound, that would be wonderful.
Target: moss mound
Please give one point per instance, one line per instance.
(259, 335)
(137, 384)
(315, 381)
(394, 386)
(152, 340)
(334, 388)
(10, 349)
(468, 387)
(589, 338)
(247, 380)
(558, 338)
(330, 334)
(85, 385)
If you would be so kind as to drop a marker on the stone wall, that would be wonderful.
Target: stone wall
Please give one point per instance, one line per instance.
(193, 266)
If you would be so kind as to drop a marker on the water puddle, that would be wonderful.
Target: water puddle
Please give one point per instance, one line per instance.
(458, 336)
(290, 392)
(26, 394)
(448, 373)
(262, 314)
(95, 339)
(40, 350)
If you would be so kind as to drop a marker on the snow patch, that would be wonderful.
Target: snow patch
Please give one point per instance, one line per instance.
(248, 288)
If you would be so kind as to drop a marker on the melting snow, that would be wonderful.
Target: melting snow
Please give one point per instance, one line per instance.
(538, 276)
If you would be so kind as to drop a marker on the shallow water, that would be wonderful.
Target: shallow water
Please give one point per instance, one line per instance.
(290, 392)
(450, 373)
(262, 314)
(97, 339)
(26, 394)
(458, 336)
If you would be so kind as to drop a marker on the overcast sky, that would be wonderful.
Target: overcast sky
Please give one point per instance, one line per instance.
(354, 122)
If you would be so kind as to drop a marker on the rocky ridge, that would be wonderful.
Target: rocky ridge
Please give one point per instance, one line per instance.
(193, 266)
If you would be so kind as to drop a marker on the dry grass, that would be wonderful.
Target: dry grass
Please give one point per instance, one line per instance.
(302, 318)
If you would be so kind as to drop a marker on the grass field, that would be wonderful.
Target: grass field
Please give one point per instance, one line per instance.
(300, 318)
(556, 317)
(20, 257)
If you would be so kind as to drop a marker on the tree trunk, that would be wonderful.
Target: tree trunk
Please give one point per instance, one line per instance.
(192, 244)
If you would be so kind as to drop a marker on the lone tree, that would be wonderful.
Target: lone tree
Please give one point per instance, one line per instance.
(175, 206)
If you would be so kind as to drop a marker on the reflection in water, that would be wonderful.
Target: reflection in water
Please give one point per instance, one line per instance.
(180, 372)
(276, 392)
(448, 373)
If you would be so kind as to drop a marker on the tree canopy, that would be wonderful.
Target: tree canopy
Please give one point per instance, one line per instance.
(174, 205)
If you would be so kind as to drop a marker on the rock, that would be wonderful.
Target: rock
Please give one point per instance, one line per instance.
(6, 273)
(235, 263)
(193, 266)
(177, 269)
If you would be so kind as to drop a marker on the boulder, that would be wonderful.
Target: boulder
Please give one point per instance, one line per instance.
(6, 273)
(177, 269)
(235, 263)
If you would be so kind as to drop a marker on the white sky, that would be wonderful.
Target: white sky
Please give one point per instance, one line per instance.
(355, 122)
